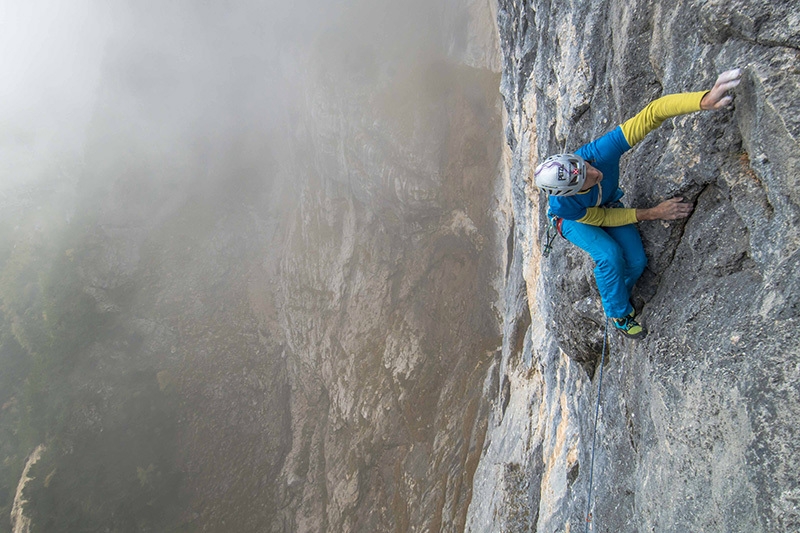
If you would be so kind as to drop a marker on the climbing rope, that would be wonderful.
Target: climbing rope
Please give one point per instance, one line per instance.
(594, 432)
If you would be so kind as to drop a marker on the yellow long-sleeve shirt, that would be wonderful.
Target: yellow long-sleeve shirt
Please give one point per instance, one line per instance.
(634, 130)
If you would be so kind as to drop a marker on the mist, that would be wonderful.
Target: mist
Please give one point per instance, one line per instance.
(224, 224)
(51, 55)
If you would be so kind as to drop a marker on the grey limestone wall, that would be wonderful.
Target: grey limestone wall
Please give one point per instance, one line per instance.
(697, 427)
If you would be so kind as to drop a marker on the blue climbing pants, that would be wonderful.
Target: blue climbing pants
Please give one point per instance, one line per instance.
(619, 261)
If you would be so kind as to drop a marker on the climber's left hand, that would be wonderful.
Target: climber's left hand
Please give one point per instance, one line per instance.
(716, 97)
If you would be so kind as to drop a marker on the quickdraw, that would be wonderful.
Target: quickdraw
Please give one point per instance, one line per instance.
(553, 229)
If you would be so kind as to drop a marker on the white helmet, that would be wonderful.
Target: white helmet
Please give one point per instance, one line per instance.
(561, 174)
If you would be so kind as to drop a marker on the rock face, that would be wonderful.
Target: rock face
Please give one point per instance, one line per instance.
(311, 287)
(19, 522)
(336, 308)
(385, 292)
(696, 426)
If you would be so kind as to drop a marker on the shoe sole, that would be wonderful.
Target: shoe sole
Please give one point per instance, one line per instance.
(638, 336)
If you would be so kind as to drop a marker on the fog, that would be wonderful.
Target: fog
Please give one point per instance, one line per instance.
(51, 54)
(180, 184)
(172, 71)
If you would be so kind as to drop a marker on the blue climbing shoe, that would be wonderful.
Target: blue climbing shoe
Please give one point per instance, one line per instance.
(629, 327)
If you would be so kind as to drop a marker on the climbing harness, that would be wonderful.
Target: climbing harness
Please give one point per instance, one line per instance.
(553, 229)
(594, 432)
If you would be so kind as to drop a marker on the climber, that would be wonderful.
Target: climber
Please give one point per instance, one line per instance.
(584, 196)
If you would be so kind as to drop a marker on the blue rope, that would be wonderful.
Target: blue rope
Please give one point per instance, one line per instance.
(594, 433)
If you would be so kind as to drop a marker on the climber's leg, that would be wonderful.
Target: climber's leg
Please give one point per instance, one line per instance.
(610, 267)
(630, 241)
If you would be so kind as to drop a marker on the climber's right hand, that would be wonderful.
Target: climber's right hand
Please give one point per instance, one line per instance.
(667, 210)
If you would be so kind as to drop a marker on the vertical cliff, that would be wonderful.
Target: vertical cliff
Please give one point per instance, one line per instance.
(286, 246)
(302, 289)
(385, 289)
(697, 422)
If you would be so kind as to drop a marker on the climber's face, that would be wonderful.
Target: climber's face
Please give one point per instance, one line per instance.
(593, 177)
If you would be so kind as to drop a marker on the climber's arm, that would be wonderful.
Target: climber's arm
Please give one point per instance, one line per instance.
(672, 105)
(671, 209)
(608, 216)
(657, 112)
